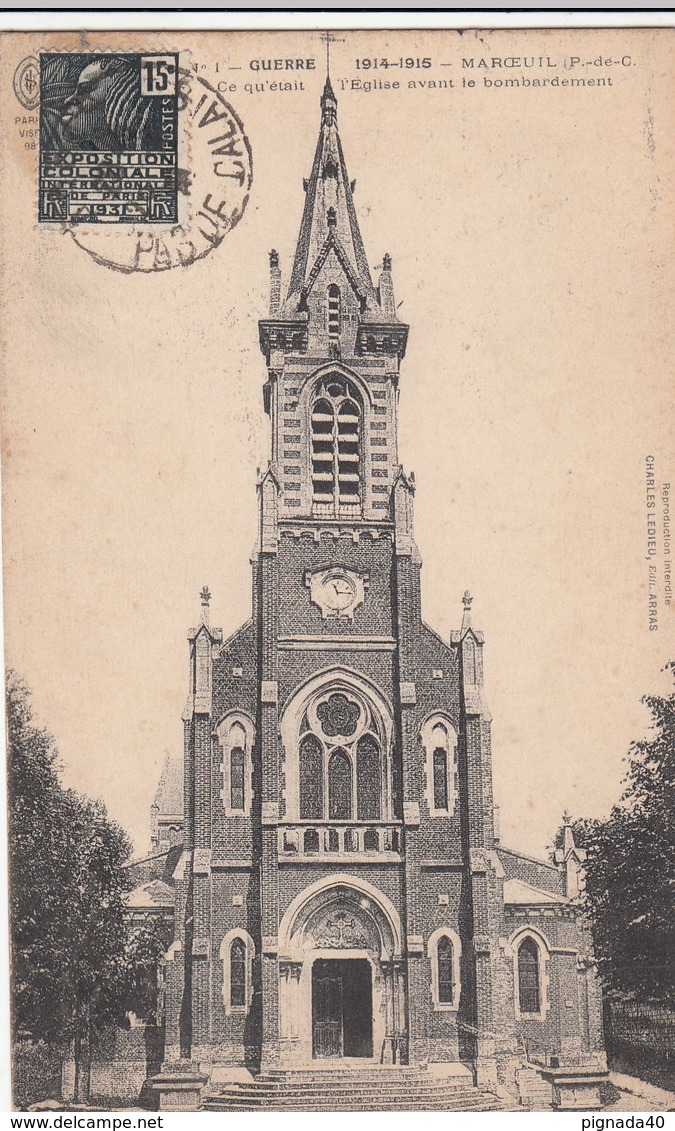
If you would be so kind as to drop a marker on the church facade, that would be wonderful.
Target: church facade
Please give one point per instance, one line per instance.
(342, 894)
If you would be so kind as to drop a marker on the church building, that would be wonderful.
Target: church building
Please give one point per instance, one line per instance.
(342, 898)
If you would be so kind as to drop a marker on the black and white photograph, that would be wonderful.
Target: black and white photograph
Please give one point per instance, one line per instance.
(336, 461)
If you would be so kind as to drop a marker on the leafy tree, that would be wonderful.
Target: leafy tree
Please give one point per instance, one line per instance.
(146, 944)
(70, 967)
(630, 867)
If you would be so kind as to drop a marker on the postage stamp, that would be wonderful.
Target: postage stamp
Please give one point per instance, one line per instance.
(108, 138)
(214, 180)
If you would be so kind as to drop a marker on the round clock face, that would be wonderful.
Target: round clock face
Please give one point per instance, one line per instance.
(338, 591)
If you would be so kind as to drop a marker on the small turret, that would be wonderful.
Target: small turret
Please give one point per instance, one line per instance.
(275, 282)
(386, 289)
(570, 860)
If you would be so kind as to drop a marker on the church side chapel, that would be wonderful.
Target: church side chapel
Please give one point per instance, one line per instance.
(345, 919)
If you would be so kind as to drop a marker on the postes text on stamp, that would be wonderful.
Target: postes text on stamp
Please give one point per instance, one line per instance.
(108, 138)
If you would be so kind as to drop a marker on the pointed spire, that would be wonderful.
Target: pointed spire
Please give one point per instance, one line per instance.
(329, 217)
(328, 104)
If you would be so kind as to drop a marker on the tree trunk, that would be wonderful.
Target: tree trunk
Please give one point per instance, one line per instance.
(83, 1062)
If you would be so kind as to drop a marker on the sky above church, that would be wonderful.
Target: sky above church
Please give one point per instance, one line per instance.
(526, 234)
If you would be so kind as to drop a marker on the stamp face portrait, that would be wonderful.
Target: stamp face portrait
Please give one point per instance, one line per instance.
(108, 138)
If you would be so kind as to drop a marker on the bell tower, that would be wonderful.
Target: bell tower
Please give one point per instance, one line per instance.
(333, 346)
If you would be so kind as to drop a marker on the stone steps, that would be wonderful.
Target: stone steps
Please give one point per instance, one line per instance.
(397, 1089)
(477, 1101)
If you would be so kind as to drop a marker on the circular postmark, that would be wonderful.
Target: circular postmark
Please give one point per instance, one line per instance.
(27, 83)
(215, 174)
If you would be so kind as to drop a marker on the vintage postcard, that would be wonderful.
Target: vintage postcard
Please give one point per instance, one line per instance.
(295, 824)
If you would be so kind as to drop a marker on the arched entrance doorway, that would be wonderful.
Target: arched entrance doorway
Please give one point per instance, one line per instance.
(342, 992)
(342, 1008)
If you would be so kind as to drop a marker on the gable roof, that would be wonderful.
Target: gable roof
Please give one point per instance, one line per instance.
(519, 893)
(154, 894)
(169, 795)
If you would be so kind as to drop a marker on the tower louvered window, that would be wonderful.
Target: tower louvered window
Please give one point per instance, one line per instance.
(336, 449)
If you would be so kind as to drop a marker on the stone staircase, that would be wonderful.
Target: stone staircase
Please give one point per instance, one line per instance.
(352, 1089)
(535, 1093)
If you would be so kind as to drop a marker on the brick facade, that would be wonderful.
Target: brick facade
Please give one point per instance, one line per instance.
(402, 868)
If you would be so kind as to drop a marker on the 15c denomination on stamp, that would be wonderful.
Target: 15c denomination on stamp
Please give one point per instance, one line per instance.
(108, 138)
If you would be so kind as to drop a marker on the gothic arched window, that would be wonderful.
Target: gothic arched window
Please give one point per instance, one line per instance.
(444, 950)
(339, 787)
(341, 761)
(238, 974)
(336, 447)
(440, 778)
(446, 973)
(311, 779)
(237, 778)
(334, 311)
(236, 735)
(529, 990)
(440, 742)
(368, 779)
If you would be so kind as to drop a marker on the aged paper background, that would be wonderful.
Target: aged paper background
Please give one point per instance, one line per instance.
(531, 234)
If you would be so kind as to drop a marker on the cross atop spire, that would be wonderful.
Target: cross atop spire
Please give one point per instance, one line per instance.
(329, 37)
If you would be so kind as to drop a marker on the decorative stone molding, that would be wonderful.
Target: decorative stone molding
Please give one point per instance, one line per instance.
(415, 944)
(478, 860)
(270, 946)
(269, 691)
(201, 863)
(411, 814)
(482, 944)
(408, 693)
(270, 812)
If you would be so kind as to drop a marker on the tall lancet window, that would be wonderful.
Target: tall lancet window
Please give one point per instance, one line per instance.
(528, 976)
(336, 448)
(334, 312)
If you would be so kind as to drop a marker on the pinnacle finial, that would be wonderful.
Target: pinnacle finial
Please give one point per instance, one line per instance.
(466, 616)
(205, 597)
(328, 104)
